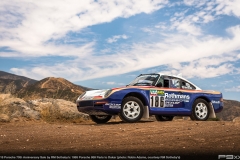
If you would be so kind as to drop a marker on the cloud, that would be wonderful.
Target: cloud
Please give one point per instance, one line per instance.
(187, 27)
(174, 49)
(31, 28)
(233, 89)
(205, 67)
(110, 83)
(116, 38)
(228, 7)
(184, 49)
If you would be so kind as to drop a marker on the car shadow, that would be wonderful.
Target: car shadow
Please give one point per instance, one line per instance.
(113, 123)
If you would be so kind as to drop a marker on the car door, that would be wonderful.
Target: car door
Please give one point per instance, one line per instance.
(187, 91)
(173, 95)
(162, 99)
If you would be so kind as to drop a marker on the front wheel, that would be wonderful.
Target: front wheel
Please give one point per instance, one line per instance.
(100, 119)
(163, 118)
(200, 110)
(132, 110)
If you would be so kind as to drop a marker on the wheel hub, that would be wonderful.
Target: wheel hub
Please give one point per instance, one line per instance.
(131, 110)
(201, 110)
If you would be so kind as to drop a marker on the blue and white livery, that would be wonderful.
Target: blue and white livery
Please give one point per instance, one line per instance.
(164, 96)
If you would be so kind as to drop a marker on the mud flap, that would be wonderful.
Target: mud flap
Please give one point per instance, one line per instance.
(212, 113)
(145, 112)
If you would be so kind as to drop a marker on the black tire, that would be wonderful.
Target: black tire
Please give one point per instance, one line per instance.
(200, 110)
(100, 119)
(163, 118)
(131, 110)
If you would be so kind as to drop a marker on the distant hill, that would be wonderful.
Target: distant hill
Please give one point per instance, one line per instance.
(230, 110)
(50, 87)
(58, 88)
(11, 83)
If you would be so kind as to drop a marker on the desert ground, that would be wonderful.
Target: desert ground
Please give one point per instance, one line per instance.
(184, 139)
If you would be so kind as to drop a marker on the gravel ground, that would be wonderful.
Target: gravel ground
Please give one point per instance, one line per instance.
(180, 138)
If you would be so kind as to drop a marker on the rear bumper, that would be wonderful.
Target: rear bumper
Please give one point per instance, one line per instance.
(219, 109)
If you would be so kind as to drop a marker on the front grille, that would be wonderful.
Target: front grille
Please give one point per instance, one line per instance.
(85, 103)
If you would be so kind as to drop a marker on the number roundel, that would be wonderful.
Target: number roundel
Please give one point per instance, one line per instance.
(156, 101)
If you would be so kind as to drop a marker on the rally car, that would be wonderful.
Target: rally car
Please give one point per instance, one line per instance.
(164, 96)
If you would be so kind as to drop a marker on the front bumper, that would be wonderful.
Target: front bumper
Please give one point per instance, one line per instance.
(91, 108)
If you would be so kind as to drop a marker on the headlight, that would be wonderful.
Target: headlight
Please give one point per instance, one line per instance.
(107, 93)
(81, 95)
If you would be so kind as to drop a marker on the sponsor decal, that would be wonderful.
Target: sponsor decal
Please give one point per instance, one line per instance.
(114, 106)
(172, 99)
(160, 92)
(177, 96)
(170, 104)
(216, 102)
(158, 98)
(153, 92)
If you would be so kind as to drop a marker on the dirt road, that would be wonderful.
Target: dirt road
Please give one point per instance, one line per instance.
(182, 138)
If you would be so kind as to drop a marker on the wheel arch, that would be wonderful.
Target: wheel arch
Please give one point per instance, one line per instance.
(202, 97)
(143, 99)
(212, 112)
(138, 95)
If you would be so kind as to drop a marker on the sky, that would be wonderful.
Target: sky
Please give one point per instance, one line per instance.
(107, 43)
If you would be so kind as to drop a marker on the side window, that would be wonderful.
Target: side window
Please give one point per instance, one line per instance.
(175, 83)
(186, 85)
(160, 82)
(171, 82)
(166, 83)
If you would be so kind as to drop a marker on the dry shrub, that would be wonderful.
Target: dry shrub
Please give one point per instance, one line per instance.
(55, 113)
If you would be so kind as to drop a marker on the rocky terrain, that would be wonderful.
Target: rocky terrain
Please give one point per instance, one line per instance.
(46, 109)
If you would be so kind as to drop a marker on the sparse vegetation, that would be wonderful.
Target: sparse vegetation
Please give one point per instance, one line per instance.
(50, 110)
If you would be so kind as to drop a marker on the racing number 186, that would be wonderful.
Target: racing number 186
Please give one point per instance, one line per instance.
(156, 101)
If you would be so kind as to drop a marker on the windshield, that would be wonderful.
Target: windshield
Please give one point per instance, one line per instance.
(145, 80)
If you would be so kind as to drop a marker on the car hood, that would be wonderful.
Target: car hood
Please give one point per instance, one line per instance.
(94, 94)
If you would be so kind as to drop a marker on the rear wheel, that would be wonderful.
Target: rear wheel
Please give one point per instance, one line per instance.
(100, 119)
(200, 110)
(131, 110)
(163, 118)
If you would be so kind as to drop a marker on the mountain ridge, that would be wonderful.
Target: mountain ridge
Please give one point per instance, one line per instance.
(49, 87)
